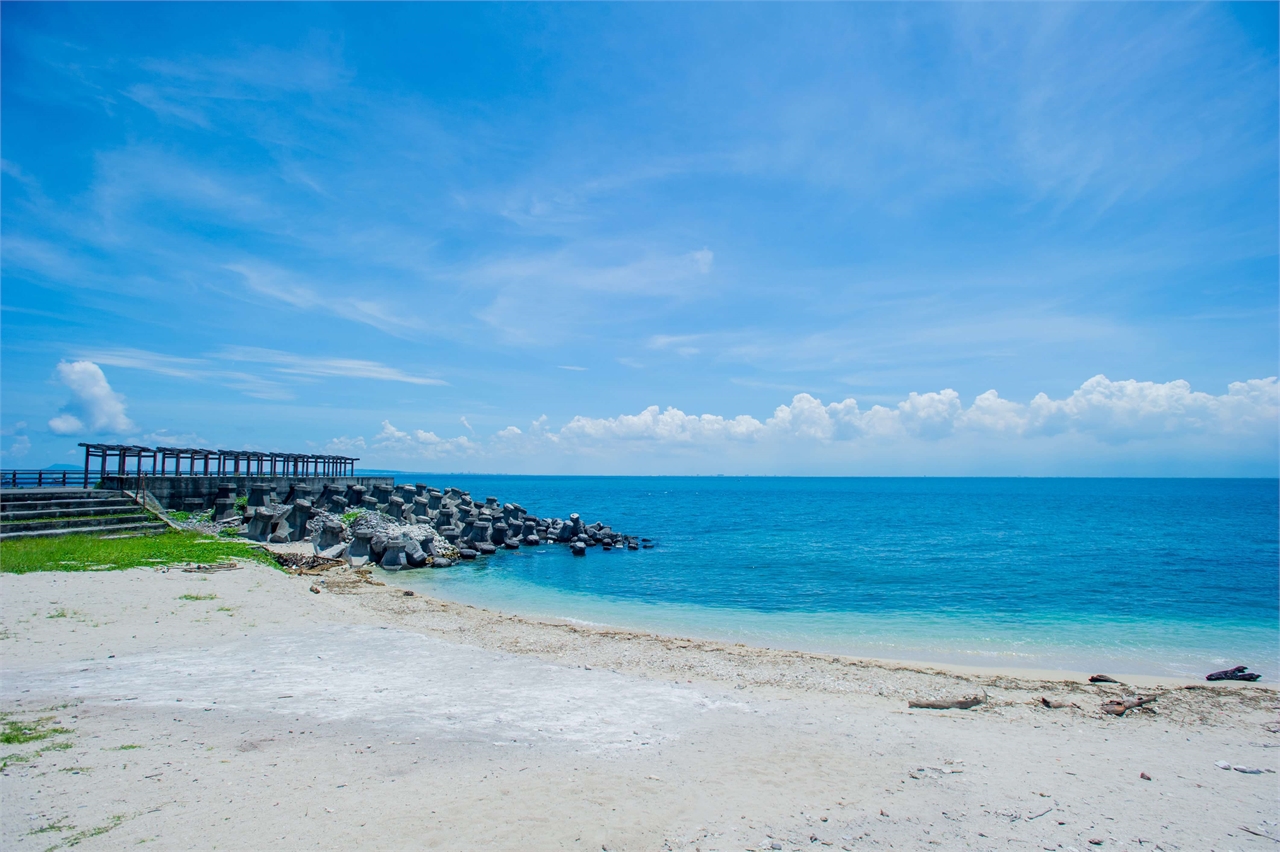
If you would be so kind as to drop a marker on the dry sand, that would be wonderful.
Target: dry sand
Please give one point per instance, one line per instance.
(263, 716)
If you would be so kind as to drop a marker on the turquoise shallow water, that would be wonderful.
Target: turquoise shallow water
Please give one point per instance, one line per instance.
(1135, 576)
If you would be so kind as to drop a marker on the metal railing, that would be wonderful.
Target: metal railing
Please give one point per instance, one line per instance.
(47, 479)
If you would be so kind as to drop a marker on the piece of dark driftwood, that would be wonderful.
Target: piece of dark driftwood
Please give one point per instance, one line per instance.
(966, 703)
(1237, 673)
(1257, 833)
(1057, 705)
(1118, 707)
(1102, 679)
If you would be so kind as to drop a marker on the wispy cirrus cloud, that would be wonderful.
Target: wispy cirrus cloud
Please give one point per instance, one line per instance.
(299, 365)
(213, 367)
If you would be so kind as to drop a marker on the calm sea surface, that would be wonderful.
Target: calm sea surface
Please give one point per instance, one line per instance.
(1119, 575)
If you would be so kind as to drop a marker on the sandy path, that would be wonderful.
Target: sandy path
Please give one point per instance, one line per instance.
(270, 717)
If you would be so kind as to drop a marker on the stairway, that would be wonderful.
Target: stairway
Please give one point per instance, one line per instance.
(36, 512)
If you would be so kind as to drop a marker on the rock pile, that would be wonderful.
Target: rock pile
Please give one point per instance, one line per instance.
(413, 526)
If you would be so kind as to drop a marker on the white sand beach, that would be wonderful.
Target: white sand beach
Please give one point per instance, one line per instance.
(260, 715)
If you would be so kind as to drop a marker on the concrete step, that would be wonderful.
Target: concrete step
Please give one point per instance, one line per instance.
(103, 521)
(64, 508)
(7, 516)
(52, 493)
(33, 499)
(148, 528)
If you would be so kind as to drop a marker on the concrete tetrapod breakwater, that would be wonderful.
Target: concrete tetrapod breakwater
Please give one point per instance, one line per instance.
(403, 527)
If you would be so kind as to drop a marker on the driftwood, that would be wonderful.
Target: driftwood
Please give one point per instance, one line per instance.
(1102, 679)
(1238, 673)
(966, 703)
(211, 569)
(1258, 833)
(1057, 705)
(297, 563)
(1118, 707)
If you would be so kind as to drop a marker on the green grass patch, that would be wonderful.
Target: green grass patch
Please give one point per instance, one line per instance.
(179, 517)
(348, 517)
(15, 732)
(190, 597)
(93, 553)
(58, 613)
(126, 747)
(81, 836)
(58, 825)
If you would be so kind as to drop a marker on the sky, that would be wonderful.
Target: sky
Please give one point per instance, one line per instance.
(860, 239)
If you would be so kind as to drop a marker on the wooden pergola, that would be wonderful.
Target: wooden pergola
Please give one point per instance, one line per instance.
(117, 459)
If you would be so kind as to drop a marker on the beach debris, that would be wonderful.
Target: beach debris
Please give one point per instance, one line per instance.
(966, 703)
(211, 569)
(1120, 706)
(1144, 776)
(1101, 678)
(1258, 833)
(408, 593)
(1094, 841)
(1247, 770)
(1053, 704)
(1237, 673)
(315, 590)
(298, 563)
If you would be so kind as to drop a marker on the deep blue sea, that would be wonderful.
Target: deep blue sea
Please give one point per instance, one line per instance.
(1131, 576)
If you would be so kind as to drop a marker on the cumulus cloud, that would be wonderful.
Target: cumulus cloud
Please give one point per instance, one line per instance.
(1113, 412)
(1104, 413)
(94, 407)
(18, 447)
(420, 443)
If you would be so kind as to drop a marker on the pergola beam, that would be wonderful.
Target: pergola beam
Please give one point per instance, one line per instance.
(118, 458)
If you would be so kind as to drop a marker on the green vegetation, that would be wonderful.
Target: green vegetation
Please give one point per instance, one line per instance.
(16, 733)
(242, 503)
(189, 597)
(91, 553)
(53, 826)
(80, 836)
(125, 747)
(57, 613)
(180, 517)
(348, 517)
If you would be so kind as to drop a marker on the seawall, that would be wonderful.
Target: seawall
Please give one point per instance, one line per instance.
(196, 493)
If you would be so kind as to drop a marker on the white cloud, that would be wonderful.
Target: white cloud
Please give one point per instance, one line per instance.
(95, 406)
(420, 443)
(345, 446)
(300, 365)
(18, 447)
(702, 259)
(66, 424)
(574, 369)
(1102, 420)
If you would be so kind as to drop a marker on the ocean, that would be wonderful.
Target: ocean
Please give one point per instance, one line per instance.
(1128, 576)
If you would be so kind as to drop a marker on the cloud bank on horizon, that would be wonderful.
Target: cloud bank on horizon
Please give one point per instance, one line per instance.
(362, 226)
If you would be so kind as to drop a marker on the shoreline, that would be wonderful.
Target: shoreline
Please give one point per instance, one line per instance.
(1031, 673)
(943, 669)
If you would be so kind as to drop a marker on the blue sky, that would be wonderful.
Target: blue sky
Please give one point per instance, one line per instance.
(646, 238)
